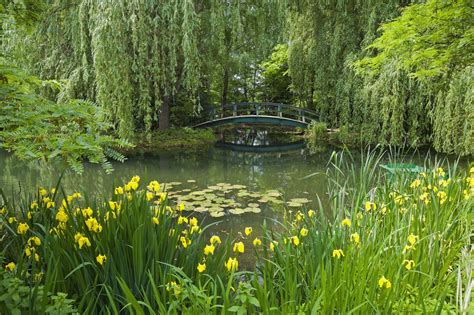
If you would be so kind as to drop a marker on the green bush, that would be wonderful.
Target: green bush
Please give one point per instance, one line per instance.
(17, 297)
(35, 128)
(317, 131)
(174, 138)
(316, 137)
(384, 245)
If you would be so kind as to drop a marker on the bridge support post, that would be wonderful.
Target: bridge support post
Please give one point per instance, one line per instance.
(257, 109)
(301, 114)
(234, 110)
(279, 111)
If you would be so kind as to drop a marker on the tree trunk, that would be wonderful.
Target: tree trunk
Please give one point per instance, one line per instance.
(225, 87)
(164, 120)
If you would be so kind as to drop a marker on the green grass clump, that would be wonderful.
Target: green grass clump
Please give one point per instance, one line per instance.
(172, 139)
(317, 136)
(400, 245)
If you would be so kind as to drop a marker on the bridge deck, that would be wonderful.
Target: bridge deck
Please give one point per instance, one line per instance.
(253, 120)
(259, 114)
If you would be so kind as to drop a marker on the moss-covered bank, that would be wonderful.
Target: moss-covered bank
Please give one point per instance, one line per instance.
(172, 139)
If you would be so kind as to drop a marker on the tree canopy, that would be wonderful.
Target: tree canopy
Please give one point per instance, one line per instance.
(37, 128)
(394, 72)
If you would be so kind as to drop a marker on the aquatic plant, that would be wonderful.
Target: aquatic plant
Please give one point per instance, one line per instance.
(387, 244)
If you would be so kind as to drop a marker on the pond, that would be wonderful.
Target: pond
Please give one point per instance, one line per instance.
(245, 187)
(234, 185)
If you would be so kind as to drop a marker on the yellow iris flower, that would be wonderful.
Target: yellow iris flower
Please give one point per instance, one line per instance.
(101, 259)
(209, 250)
(346, 222)
(22, 228)
(239, 247)
(201, 267)
(257, 242)
(384, 282)
(304, 232)
(231, 264)
(248, 231)
(338, 253)
(215, 239)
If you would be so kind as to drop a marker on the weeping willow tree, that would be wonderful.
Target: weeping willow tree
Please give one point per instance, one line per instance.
(239, 36)
(325, 38)
(139, 58)
(423, 69)
(131, 57)
(411, 85)
(34, 127)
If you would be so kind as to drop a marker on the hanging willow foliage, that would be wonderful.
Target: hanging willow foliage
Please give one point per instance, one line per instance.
(125, 55)
(416, 82)
(136, 57)
(325, 38)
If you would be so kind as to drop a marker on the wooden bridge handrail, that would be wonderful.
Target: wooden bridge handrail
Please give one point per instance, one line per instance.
(238, 107)
(261, 109)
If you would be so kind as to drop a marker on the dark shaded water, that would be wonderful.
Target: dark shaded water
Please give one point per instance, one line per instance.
(285, 170)
(259, 172)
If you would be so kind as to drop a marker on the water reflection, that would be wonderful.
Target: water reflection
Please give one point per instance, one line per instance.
(259, 137)
(259, 171)
(284, 171)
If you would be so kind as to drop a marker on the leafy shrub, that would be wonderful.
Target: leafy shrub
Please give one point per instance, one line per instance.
(17, 297)
(35, 128)
(347, 136)
(174, 138)
(316, 136)
(373, 251)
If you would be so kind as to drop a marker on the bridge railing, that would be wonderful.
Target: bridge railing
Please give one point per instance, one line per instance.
(262, 109)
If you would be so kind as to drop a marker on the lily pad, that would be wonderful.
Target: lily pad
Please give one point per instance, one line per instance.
(199, 198)
(215, 209)
(294, 204)
(237, 211)
(201, 209)
(273, 193)
(197, 193)
(239, 186)
(300, 200)
(185, 197)
(217, 214)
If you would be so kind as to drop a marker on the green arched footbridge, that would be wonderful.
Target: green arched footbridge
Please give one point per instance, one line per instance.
(251, 113)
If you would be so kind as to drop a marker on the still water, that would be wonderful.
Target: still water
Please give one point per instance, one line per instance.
(233, 185)
(283, 175)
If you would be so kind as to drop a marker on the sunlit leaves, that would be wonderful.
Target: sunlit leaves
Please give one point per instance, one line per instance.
(426, 40)
(35, 128)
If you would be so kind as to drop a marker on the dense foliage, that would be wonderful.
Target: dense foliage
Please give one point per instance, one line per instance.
(386, 244)
(415, 84)
(37, 128)
(423, 73)
(142, 60)
(393, 72)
